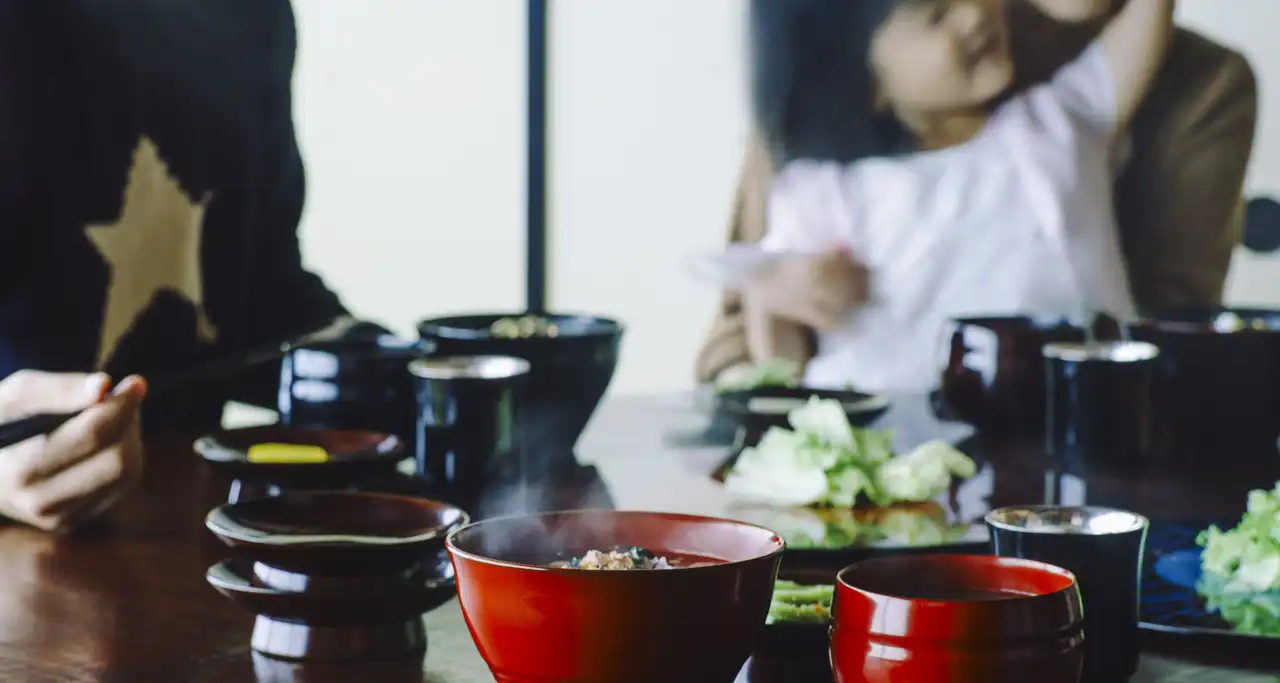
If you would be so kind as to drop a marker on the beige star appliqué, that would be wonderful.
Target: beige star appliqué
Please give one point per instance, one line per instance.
(154, 246)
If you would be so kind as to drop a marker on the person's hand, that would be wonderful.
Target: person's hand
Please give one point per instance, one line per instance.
(58, 481)
(815, 291)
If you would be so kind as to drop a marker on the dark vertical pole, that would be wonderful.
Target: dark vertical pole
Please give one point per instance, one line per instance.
(536, 172)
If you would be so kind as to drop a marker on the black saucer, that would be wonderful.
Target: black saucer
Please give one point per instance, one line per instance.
(321, 458)
(575, 486)
(362, 621)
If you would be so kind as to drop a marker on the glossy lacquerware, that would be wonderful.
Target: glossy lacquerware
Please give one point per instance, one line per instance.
(916, 619)
(346, 452)
(1176, 603)
(1103, 548)
(756, 410)
(130, 603)
(568, 376)
(339, 620)
(335, 575)
(467, 426)
(332, 533)
(993, 372)
(1222, 385)
(352, 383)
(532, 622)
(320, 458)
(1102, 404)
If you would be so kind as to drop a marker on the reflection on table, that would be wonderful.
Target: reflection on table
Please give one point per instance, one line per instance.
(128, 601)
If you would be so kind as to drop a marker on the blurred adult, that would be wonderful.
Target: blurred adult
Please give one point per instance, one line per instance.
(1178, 200)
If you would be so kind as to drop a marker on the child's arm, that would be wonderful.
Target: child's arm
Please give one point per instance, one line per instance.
(1135, 43)
(770, 337)
(808, 214)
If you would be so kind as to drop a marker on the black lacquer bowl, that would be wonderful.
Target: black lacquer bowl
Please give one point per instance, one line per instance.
(569, 372)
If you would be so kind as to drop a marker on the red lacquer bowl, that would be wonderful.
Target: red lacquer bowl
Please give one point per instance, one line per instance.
(538, 624)
(956, 619)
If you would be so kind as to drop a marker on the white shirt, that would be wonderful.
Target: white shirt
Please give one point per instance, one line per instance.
(1018, 220)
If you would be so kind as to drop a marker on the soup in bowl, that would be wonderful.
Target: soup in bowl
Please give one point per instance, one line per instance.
(614, 596)
(956, 619)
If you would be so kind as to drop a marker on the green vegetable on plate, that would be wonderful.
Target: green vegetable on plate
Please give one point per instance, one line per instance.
(1240, 567)
(1254, 613)
(1246, 558)
(823, 460)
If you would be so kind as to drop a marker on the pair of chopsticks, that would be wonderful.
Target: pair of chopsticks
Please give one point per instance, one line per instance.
(17, 431)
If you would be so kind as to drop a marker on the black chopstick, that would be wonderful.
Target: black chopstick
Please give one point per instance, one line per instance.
(17, 431)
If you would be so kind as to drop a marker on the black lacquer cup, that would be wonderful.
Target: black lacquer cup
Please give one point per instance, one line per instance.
(467, 429)
(1104, 548)
(1100, 404)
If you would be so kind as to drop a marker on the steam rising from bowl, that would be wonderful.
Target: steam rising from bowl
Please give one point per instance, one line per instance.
(532, 622)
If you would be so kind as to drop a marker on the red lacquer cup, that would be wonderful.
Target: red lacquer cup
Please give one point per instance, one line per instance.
(956, 619)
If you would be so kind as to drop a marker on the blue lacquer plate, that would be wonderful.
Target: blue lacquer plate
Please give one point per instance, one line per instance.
(1170, 602)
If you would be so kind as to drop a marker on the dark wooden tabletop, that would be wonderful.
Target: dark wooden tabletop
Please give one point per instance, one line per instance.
(127, 601)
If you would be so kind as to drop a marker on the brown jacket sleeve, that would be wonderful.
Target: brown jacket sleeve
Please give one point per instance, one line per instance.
(1179, 203)
(726, 345)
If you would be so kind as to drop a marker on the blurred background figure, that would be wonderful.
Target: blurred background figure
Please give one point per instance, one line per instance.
(1178, 201)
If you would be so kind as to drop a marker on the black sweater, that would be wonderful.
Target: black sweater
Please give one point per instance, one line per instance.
(150, 193)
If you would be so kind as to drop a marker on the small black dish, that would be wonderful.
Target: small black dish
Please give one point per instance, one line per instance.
(299, 458)
(422, 590)
(336, 533)
(338, 622)
(756, 410)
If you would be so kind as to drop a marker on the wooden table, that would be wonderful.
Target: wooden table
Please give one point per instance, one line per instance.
(129, 604)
